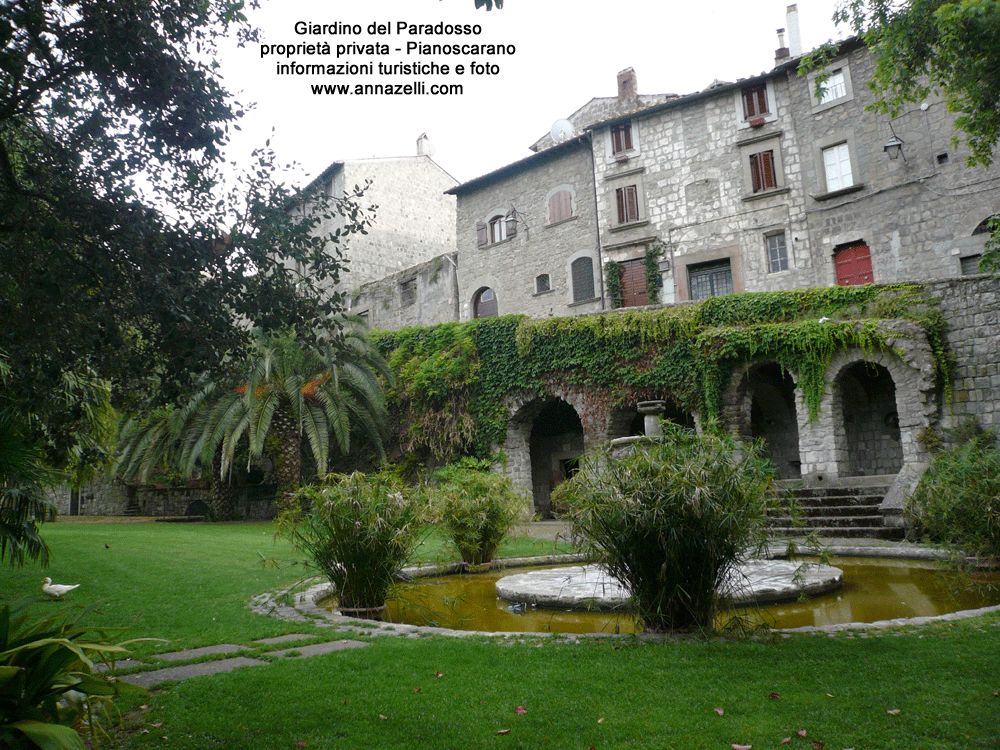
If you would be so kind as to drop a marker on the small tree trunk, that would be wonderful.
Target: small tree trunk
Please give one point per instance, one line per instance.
(223, 498)
(288, 457)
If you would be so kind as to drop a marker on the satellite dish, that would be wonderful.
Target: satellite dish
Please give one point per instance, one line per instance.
(562, 130)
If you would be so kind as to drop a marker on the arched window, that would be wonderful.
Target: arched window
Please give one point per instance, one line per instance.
(582, 273)
(484, 304)
(497, 229)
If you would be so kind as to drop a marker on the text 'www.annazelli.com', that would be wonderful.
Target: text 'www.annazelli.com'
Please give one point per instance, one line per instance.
(414, 88)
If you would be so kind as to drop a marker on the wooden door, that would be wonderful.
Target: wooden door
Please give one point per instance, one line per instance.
(853, 265)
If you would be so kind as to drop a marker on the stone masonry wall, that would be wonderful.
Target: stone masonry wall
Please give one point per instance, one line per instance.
(426, 294)
(511, 267)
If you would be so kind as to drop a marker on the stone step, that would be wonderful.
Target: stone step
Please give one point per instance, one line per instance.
(838, 521)
(840, 502)
(804, 493)
(811, 511)
(851, 532)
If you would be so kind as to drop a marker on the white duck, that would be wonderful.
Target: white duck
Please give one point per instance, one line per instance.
(56, 590)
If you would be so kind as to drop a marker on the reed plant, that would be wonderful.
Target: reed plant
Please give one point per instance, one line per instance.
(670, 518)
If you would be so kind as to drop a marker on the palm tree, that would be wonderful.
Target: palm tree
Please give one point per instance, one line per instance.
(287, 395)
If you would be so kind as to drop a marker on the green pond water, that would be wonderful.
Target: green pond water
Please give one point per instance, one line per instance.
(873, 590)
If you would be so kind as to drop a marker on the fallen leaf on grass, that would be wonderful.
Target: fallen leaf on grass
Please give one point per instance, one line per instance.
(383, 717)
(719, 711)
(503, 731)
(416, 690)
(300, 743)
(786, 740)
(801, 733)
(601, 720)
(893, 711)
(742, 747)
(158, 724)
(438, 674)
(818, 745)
(774, 696)
(829, 695)
(520, 710)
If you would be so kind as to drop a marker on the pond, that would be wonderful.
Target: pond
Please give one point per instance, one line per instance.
(873, 590)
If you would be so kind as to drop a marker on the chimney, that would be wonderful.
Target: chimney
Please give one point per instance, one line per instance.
(627, 87)
(781, 54)
(792, 23)
(424, 147)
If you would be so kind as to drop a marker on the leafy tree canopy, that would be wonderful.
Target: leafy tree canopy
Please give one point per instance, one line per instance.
(123, 251)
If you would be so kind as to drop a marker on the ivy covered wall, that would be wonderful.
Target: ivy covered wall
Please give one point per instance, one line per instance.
(454, 381)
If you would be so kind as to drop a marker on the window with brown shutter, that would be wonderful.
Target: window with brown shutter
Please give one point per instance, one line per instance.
(560, 206)
(621, 138)
(762, 171)
(582, 277)
(755, 101)
(497, 229)
(482, 234)
(628, 204)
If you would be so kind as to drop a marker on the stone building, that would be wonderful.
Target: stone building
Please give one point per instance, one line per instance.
(414, 219)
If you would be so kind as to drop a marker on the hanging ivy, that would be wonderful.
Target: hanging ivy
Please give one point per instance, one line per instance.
(454, 381)
(613, 272)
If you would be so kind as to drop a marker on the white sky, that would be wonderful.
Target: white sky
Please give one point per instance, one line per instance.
(568, 51)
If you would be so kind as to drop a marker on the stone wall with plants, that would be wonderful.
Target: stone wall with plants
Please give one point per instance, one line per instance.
(452, 380)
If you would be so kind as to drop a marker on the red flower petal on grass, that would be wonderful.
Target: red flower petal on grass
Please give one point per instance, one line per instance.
(520, 710)
(818, 745)
(438, 674)
(774, 696)
(719, 711)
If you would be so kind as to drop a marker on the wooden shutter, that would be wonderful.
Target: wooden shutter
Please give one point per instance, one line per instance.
(854, 265)
(621, 138)
(582, 276)
(634, 292)
(628, 204)
(482, 234)
(762, 171)
(560, 206)
(755, 102)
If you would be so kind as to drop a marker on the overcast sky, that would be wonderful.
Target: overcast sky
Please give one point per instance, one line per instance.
(567, 52)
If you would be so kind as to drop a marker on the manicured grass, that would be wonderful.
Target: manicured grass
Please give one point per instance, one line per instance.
(191, 584)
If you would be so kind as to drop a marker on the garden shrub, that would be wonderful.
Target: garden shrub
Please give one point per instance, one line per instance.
(957, 501)
(477, 508)
(359, 531)
(670, 519)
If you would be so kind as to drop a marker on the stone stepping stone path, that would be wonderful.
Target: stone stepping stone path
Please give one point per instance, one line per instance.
(183, 672)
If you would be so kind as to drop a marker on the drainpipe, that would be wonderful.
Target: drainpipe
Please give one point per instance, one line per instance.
(597, 220)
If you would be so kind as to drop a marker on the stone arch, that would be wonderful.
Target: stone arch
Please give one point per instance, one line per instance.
(545, 440)
(867, 438)
(760, 403)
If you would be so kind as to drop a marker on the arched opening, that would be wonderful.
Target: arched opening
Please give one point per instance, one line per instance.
(867, 396)
(773, 417)
(555, 445)
(484, 304)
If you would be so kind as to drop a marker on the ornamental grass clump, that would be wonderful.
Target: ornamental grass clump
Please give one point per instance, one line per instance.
(957, 502)
(477, 509)
(359, 531)
(670, 519)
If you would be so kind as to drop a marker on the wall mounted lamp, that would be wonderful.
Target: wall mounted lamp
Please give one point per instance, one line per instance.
(894, 148)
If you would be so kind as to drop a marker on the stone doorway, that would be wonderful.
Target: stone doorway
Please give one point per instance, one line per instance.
(870, 420)
(773, 418)
(555, 445)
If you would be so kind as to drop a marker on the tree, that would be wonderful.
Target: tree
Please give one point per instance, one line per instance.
(123, 252)
(288, 392)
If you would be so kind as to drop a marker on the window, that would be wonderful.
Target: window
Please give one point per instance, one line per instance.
(970, 265)
(834, 87)
(621, 139)
(560, 206)
(627, 198)
(484, 304)
(837, 165)
(755, 102)
(762, 175)
(542, 283)
(582, 279)
(710, 279)
(498, 229)
(777, 252)
(407, 292)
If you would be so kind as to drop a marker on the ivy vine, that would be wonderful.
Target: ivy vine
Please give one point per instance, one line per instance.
(454, 381)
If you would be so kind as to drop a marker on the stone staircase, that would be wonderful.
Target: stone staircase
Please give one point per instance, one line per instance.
(848, 507)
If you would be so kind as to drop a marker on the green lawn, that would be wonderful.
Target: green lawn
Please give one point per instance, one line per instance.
(190, 584)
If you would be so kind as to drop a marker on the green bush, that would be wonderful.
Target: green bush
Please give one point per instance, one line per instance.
(670, 519)
(477, 509)
(48, 689)
(958, 499)
(359, 531)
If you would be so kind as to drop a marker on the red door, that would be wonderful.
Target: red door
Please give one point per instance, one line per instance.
(854, 265)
